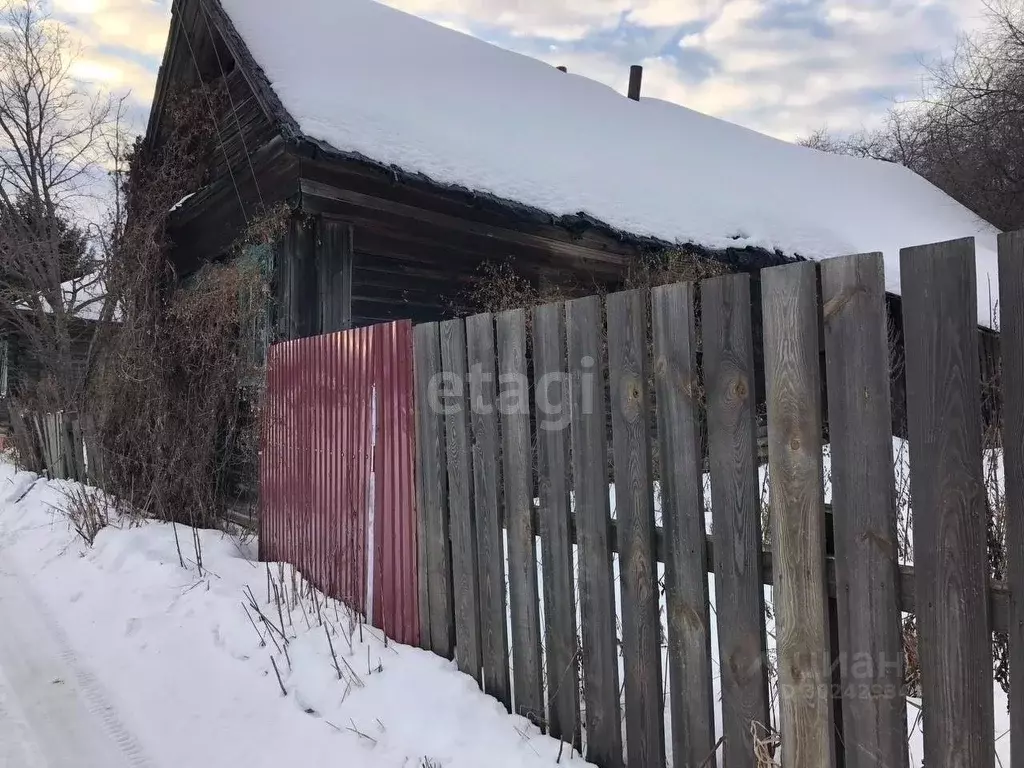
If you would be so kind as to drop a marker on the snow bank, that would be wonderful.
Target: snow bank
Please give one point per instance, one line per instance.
(188, 675)
(374, 81)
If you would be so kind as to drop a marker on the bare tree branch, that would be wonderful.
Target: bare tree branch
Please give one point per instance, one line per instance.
(965, 133)
(55, 140)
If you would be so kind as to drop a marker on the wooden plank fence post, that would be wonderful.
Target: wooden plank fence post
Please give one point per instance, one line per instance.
(678, 395)
(517, 454)
(460, 501)
(793, 385)
(1011, 326)
(46, 438)
(940, 321)
(36, 421)
(93, 452)
(67, 435)
(78, 441)
(732, 445)
(487, 487)
(432, 478)
(53, 424)
(864, 511)
(634, 512)
(27, 439)
(553, 471)
(584, 326)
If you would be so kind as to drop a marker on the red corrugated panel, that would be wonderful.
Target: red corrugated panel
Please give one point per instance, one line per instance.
(338, 417)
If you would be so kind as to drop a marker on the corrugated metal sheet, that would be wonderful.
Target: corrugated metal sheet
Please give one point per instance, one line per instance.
(337, 478)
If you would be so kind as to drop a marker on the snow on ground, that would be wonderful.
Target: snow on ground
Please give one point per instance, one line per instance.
(144, 663)
(164, 662)
(466, 113)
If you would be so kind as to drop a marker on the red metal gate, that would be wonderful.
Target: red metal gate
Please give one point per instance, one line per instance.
(337, 481)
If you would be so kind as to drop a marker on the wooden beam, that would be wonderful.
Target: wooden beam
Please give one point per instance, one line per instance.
(316, 189)
(998, 595)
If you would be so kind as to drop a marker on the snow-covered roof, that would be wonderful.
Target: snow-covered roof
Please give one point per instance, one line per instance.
(84, 298)
(181, 202)
(370, 80)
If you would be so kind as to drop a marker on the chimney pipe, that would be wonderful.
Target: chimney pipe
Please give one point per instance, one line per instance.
(636, 77)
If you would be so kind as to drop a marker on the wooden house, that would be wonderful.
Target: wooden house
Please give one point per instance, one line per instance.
(412, 155)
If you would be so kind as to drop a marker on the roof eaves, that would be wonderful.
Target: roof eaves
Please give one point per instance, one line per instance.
(746, 258)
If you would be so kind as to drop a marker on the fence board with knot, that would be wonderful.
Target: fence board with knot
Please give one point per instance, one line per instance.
(515, 408)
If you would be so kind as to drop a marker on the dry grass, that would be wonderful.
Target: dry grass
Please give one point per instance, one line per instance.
(88, 511)
(766, 745)
(498, 287)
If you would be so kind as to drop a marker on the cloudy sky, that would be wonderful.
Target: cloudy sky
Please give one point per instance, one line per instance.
(783, 67)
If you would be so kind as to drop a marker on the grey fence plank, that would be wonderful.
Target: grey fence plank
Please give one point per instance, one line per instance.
(678, 396)
(460, 500)
(93, 453)
(864, 510)
(25, 439)
(1011, 325)
(422, 566)
(67, 438)
(37, 426)
(54, 428)
(732, 447)
(634, 511)
(553, 473)
(487, 488)
(78, 440)
(584, 327)
(940, 321)
(793, 387)
(517, 463)
(433, 487)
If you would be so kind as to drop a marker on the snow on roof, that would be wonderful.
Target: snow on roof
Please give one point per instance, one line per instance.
(181, 202)
(370, 80)
(84, 298)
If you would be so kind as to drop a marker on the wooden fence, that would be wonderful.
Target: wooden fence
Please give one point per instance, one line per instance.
(55, 443)
(666, 365)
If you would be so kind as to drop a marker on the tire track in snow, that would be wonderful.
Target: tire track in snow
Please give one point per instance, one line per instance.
(55, 697)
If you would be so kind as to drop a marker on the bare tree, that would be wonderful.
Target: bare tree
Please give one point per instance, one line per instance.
(54, 145)
(965, 133)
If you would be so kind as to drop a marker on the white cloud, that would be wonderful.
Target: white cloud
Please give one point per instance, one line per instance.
(136, 25)
(120, 45)
(785, 79)
(557, 19)
(112, 72)
(672, 13)
(564, 20)
(834, 68)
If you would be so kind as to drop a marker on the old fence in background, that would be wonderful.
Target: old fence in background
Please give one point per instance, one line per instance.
(60, 444)
(338, 417)
(451, 562)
